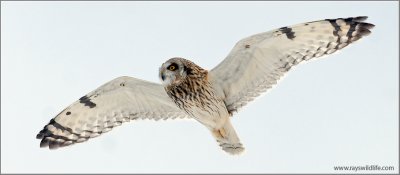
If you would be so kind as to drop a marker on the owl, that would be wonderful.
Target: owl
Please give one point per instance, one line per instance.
(253, 66)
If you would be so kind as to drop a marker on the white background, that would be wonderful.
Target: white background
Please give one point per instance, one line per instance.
(340, 110)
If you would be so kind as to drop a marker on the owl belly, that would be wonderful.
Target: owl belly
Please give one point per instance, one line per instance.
(201, 104)
(212, 115)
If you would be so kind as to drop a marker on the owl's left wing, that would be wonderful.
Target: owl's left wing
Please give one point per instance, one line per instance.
(257, 62)
(120, 100)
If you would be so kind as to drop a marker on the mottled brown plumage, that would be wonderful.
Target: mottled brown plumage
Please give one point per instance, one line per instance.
(191, 91)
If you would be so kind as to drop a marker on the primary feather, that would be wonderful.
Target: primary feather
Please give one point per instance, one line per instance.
(259, 61)
(120, 100)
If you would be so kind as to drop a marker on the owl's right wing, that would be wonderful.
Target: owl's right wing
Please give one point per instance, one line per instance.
(257, 62)
(120, 100)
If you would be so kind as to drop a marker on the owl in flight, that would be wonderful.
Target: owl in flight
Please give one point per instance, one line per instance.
(253, 66)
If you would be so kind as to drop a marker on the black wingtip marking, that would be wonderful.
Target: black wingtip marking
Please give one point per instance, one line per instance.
(360, 18)
(45, 132)
(86, 100)
(57, 125)
(40, 135)
(366, 25)
(48, 139)
(357, 28)
(363, 31)
(56, 140)
(351, 30)
(335, 25)
(54, 145)
(288, 31)
(44, 143)
(356, 24)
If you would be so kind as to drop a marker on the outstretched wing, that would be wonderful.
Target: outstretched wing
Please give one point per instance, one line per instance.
(120, 100)
(257, 62)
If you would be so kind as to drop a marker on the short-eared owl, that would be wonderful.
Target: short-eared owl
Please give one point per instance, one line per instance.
(210, 97)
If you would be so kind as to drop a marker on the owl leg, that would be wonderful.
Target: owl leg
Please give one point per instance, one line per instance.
(228, 139)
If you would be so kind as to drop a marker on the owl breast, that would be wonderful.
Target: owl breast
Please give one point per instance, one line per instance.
(198, 99)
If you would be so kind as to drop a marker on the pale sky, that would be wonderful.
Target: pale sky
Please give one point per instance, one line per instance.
(341, 110)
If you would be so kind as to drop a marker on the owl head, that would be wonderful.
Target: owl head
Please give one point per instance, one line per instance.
(176, 70)
(172, 72)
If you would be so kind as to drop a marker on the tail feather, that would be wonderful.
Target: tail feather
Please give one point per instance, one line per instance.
(228, 139)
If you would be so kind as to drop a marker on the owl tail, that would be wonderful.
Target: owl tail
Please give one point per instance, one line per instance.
(228, 139)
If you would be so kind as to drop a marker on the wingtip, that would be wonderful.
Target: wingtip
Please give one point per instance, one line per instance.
(44, 143)
(39, 136)
(360, 18)
(366, 25)
(54, 145)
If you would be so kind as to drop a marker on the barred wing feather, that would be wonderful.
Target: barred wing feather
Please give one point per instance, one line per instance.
(120, 100)
(259, 61)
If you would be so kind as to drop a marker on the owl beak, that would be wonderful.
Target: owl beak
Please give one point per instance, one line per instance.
(162, 76)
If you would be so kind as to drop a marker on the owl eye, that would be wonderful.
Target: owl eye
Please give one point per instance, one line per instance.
(172, 67)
